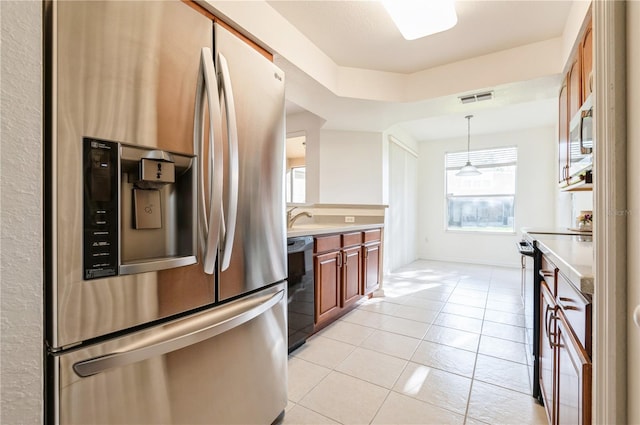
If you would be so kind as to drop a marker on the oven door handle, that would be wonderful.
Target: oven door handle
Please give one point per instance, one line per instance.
(181, 334)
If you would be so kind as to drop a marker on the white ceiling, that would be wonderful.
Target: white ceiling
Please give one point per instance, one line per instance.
(359, 34)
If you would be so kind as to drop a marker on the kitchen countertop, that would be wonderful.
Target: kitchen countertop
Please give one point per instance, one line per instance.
(571, 253)
(316, 229)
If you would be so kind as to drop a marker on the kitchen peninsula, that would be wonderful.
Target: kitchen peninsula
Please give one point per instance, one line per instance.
(564, 287)
(335, 261)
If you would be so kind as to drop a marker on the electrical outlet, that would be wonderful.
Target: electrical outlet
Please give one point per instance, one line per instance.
(349, 219)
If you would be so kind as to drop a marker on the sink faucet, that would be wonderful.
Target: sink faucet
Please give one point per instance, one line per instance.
(292, 219)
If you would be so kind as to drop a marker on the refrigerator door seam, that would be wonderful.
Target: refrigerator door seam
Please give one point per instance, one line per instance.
(179, 336)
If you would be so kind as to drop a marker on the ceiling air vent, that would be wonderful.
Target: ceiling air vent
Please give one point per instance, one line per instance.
(476, 97)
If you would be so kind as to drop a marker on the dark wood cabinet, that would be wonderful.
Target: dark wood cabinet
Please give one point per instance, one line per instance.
(574, 377)
(351, 273)
(574, 94)
(546, 351)
(327, 270)
(371, 261)
(564, 349)
(346, 267)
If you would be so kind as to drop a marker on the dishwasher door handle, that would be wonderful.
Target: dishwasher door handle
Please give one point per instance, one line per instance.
(180, 334)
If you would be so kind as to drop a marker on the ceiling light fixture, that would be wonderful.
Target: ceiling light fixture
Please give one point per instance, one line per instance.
(419, 18)
(468, 169)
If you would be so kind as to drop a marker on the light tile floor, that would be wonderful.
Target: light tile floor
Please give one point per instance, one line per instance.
(446, 345)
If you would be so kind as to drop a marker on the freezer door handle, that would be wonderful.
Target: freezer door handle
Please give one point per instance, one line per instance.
(207, 87)
(181, 334)
(231, 212)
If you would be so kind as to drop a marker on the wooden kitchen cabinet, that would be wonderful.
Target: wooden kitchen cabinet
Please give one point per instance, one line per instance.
(546, 351)
(346, 267)
(337, 272)
(327, 269)
(352, 268)
(574, 377)
(586, 52)
(371, 256)
(563, 133)
(574, 80)
(564, 349)
(351, 272)
(574, 92)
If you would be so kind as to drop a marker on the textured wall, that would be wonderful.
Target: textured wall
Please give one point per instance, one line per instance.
(21, 327)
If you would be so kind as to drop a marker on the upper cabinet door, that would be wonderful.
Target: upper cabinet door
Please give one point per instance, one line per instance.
(563, 134)
(574, 78)
(586, 51)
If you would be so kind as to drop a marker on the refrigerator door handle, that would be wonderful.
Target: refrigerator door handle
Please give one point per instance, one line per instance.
(231, 213)
(181, 334)
(209, 228)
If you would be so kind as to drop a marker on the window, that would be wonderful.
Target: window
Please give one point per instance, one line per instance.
(296, 183)
(484, 202)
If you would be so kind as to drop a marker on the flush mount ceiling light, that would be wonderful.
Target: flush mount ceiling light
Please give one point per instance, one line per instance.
(468, 169)
(419, 18)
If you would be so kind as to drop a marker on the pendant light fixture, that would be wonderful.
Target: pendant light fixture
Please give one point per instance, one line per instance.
(468, 169)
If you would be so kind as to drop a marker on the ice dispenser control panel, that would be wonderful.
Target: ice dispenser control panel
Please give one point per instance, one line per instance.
(100, 169)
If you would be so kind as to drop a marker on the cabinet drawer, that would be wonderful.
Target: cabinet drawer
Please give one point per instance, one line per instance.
(350, 239)
(326, 243)
(577, 310)
(371, 235)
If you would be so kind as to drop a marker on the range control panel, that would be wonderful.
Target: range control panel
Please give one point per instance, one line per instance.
(101, 215)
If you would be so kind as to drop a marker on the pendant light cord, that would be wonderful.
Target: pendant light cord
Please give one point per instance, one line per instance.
(468, 117)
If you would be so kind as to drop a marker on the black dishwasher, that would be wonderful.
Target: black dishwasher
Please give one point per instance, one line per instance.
(301, 292)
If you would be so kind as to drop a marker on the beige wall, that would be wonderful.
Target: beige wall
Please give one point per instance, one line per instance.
(21, 274)
(351, 167)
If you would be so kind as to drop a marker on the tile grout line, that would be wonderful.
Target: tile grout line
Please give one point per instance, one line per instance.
(475, 363)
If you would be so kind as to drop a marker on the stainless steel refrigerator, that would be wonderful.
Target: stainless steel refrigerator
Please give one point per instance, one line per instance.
(164, 222)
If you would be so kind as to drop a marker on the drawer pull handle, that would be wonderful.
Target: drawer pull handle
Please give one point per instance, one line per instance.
(548, 319)
(569, 307)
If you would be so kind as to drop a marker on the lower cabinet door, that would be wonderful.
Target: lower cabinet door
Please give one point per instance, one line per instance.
(352, 273)
(327, 270)
(370, 269)
(574, 378)
(547, 351)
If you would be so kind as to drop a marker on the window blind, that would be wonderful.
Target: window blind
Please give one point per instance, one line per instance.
(482, 158)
